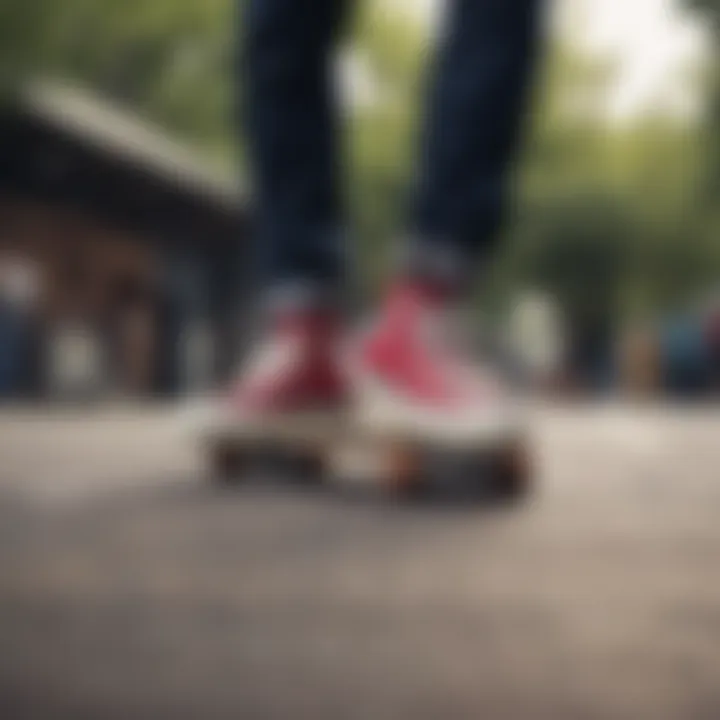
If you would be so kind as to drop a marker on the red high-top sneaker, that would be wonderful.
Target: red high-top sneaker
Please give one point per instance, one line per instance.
(295, 369)
(292, 385)
(411, 383)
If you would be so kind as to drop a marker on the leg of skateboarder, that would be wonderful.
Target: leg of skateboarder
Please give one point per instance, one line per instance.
(291, 127)
(472, 122)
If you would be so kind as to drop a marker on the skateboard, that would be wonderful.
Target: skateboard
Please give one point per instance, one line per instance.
(340, 453)
(418, 467)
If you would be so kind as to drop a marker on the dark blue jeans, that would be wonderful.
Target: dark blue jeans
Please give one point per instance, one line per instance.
(472, 119)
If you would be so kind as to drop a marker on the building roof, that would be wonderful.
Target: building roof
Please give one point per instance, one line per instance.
(115, 131)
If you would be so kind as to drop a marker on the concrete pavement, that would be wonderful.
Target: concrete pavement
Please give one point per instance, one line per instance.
(131, 588)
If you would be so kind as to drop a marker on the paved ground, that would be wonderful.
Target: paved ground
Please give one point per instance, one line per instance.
(129, 588)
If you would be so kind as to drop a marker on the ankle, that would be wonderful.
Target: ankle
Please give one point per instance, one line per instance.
(408, 297)
(307, 322)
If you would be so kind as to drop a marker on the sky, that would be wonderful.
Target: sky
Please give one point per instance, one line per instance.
(653, 41)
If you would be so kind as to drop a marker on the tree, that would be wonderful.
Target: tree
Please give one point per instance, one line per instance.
(169, 59)
(710, 10)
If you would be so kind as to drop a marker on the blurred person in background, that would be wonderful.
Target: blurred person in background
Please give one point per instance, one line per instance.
(712, 339)
(471, 124)
(19, 291)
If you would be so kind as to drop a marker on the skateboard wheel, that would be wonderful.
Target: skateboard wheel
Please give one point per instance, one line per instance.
(227, 465)
(232, 462)
(511, 471)
(405, 472)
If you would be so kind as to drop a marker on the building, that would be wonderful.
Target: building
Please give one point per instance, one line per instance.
(123, 261)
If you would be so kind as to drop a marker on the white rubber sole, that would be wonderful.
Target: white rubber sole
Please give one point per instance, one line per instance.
(209, 422)
(380, 413)
(376, 414)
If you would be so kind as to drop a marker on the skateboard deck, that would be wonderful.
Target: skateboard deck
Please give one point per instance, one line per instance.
(342, 454)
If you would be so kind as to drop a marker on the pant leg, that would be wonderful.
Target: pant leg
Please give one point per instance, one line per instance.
(290, 123)
(474, 113)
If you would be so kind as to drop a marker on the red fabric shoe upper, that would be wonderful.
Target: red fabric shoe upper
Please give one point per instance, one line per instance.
(294, 368)
(408, 351)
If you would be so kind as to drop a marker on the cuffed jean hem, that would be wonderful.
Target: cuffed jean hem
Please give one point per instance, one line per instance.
(302, 295)
(444, 264)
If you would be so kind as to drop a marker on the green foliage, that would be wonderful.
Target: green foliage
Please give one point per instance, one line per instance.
(166, 58)
(710, 11)
(710, 7)
(576, 245)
